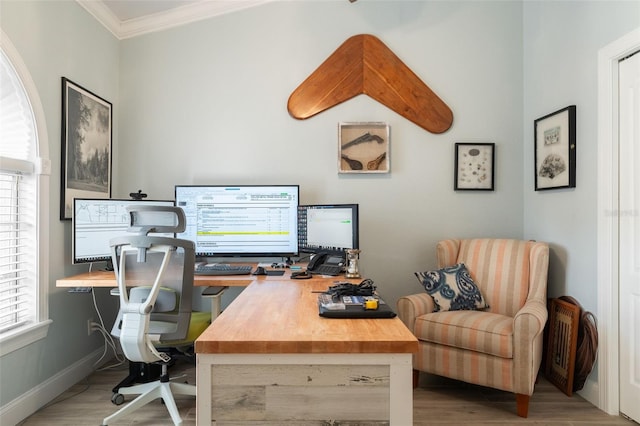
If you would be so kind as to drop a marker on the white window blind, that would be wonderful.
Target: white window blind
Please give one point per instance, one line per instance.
(18, 204)
(17, 251)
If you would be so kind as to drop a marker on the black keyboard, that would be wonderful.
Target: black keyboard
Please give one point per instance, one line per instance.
(223, 269)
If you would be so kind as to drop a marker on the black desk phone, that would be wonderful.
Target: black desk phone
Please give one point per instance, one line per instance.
(326, 264)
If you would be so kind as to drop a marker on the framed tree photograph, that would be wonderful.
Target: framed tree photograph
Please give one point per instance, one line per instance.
(555, 149)
(474, 166)
(86, 146)
(363, 148)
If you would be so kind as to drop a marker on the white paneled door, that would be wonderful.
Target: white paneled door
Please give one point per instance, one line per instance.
(629, 302)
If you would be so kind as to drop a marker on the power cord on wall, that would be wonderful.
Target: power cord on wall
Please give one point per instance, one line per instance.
(108, 340)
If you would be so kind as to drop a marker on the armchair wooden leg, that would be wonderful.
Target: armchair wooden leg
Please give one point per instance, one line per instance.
(522, 405)
(416, 378)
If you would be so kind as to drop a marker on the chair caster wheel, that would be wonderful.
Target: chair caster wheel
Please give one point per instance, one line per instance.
(117, 398)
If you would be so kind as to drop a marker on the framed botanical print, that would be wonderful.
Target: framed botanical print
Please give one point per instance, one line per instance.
(474, 166)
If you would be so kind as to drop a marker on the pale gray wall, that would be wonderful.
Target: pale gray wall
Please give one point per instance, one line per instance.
(55, 39)
(561, 43)
(207, 104)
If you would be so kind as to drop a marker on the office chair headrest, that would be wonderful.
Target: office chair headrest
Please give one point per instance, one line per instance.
(161, 219)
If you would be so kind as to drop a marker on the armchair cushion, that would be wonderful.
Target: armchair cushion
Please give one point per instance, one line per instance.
(452, 288)
(477, 331)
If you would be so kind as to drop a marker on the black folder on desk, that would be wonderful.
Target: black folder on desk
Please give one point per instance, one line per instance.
(357, 311)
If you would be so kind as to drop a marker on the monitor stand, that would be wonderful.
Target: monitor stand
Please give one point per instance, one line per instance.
(108, 266)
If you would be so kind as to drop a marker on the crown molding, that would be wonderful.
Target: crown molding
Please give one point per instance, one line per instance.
(98, 10)
(164, 20)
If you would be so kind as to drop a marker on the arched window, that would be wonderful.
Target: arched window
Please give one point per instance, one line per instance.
(24, 206)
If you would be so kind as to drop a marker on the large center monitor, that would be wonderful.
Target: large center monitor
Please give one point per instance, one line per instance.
(241, 220)
(329, 228)
(97, 220)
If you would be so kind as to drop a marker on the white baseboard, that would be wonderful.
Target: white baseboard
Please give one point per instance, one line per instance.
(29, 402)
(591, 392)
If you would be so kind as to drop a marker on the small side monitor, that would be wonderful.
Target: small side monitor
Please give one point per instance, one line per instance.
(328, 228)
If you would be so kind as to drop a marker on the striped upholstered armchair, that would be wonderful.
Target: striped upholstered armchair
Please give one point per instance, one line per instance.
(499, 346)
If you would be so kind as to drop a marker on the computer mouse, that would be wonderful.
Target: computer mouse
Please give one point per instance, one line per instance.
(260, 271)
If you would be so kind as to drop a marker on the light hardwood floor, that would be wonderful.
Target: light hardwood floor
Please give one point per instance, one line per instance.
(436, 401)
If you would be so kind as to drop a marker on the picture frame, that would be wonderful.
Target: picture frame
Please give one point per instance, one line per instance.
(474, 166)
(555, 150)
(363, 148)
(87, 129)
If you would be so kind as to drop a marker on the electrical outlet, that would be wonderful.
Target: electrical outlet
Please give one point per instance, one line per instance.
(89, 326)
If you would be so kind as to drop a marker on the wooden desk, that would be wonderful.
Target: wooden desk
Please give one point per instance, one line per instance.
(270, 358)
(108, 279)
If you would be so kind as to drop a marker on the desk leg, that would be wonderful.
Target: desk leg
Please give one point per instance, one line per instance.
(401, 390)
(216, 307)
(215, 293)
(203, 389)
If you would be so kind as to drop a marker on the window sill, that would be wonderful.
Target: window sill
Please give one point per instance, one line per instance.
(23, 337)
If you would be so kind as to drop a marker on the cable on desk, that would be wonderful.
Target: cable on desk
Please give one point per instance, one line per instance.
(300, 259)
(365, 288)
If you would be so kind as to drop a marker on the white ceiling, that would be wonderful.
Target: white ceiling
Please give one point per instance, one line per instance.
(125, 10)
(129, 18)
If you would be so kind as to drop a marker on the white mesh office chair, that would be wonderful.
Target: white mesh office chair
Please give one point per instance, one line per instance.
(156, 312)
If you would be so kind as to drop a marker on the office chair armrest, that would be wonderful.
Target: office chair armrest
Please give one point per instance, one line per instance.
(412, 306)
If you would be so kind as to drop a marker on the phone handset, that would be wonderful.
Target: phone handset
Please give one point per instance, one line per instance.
(316, 261)
(326, 263)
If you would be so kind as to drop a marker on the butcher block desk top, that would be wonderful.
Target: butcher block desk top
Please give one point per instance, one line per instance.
(277, 317)
(108, 279)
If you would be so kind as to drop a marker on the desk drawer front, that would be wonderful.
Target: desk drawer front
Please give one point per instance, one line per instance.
(297, 394)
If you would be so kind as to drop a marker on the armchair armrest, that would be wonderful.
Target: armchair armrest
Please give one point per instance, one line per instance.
(528, 327)
(534, 315)
(412, 306)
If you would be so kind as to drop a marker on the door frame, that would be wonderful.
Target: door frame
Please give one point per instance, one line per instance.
(608, 219)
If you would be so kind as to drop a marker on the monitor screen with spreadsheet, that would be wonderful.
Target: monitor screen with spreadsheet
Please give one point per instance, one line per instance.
(97, 220)
(241, 220)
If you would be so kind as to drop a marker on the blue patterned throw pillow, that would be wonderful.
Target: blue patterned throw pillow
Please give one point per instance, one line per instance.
(452, 288)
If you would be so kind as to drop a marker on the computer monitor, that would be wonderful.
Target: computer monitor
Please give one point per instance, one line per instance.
(97, 221)
(329, 228)
(241, 220)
